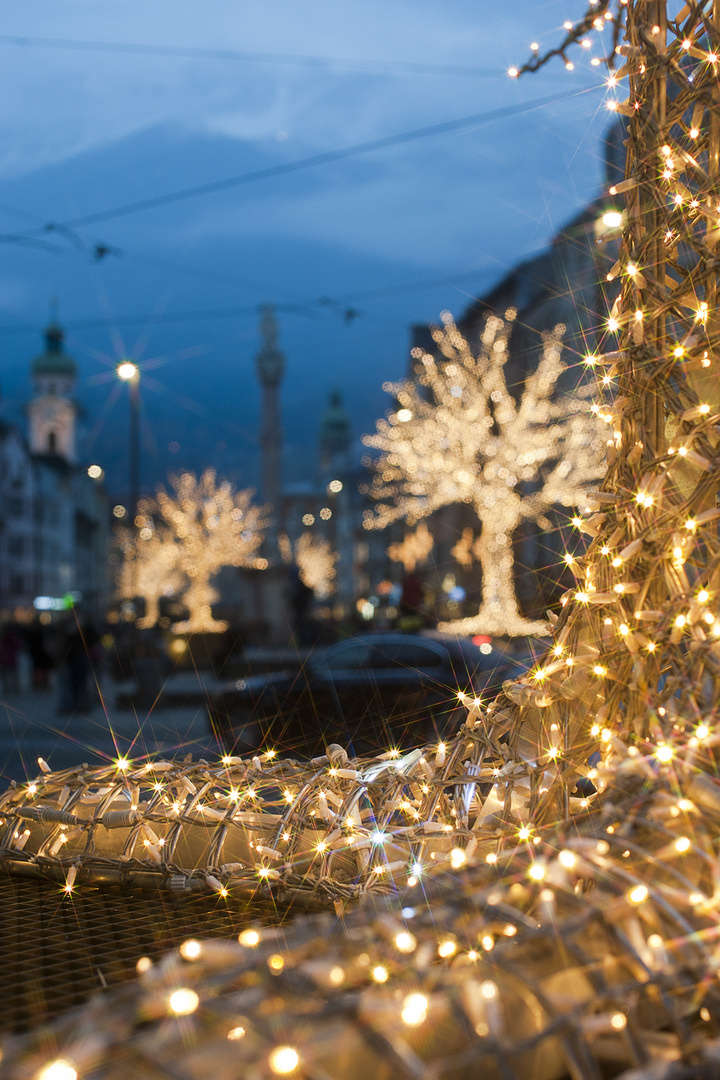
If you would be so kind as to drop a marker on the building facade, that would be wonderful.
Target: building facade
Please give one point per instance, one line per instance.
(53, 515)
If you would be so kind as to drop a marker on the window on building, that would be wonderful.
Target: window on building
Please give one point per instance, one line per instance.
(52, 442)
(17, 584)
(16, 506)
(16, 545)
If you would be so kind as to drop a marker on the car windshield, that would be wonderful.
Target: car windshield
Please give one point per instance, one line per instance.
(348, 656)
(411, 654)
(381, 653)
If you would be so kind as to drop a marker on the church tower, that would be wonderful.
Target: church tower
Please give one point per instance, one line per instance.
(52, 413)
(271, 368)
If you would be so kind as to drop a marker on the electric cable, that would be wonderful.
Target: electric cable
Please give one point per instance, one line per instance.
(283, 168)
(397, 67)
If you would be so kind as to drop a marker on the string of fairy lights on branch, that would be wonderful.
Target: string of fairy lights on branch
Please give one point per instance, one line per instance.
(647, 586)
(540, 890)
(598, 17)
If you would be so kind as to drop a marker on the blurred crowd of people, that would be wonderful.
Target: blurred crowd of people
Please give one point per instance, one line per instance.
(63, 657)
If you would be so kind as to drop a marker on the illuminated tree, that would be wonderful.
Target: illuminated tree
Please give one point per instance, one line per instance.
(640, 630)
(150, 568)
(458, 436)
(413, 548)
(211, 525)
(316, 562)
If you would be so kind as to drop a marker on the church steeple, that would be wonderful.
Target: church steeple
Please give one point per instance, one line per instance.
(52, 413)
(53, 365)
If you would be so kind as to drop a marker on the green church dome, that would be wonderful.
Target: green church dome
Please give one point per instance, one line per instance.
(53, 361)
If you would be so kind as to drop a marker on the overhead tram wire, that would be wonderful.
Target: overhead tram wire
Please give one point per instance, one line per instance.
(306, 308)
(380, 67)
(309, 308)
(99, 250)
(416, 134)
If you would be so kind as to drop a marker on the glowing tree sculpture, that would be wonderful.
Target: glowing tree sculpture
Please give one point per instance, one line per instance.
(316, 562)
(211, 526)
(414, 548)
(639, 634)
(460, 437)
(150, 569)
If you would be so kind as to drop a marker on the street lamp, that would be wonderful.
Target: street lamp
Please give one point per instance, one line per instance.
(129, 372)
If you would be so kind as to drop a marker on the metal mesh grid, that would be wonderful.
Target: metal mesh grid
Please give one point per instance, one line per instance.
(489, 974)
(56, 953)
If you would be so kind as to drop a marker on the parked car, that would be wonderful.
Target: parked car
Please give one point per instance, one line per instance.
(369, 693)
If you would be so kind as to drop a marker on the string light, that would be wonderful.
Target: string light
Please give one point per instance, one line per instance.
(284, 1060)
(249, 938)
(58, 1070)
(414, 1010)
(405, 942)
(184, 1001)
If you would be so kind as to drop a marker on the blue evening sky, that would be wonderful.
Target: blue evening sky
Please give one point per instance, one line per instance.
(86, 130)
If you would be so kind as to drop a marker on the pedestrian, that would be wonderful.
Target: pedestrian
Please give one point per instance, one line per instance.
(10, 646)
(410, 608)
(74, 672)
(300, 597)
(39, 656)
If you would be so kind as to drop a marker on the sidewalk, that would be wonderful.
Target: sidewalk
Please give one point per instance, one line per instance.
(30, 727)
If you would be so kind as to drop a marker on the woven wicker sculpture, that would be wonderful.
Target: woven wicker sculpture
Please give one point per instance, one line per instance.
(511, 924)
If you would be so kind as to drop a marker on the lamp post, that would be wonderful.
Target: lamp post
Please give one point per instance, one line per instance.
(129, 372)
